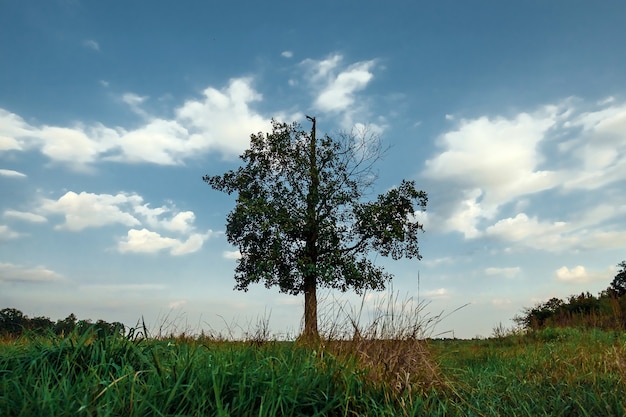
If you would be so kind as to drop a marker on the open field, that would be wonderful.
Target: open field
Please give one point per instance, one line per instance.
(555, 372)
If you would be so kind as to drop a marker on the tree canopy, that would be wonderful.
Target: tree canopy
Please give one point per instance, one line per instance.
(300, 220)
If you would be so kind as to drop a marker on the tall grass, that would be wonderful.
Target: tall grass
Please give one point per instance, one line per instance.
(118, 376)
(383, 367)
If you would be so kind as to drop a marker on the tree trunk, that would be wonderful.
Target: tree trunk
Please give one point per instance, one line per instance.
(311, 333)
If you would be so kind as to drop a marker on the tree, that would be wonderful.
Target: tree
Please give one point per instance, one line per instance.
(299, 220)
(618, 285)
(12, 321)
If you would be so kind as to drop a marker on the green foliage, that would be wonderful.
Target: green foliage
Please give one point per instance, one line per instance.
(14, 323)
(300, 221)
(299, 214)
(618, 285)
(606, 311)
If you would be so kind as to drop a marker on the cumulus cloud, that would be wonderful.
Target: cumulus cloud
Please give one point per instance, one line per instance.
(522, 227)
(146, 241)
(491, 163)
(18, 273)
(11, 173)
(91, 210)
(287, 54)
(221, 121)
(579, 274)
(499, 157)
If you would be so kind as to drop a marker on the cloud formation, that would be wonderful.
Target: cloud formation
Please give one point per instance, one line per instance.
(579, 274)
(91, 44)
(145, 241)
(85, 210)
(25, 216)
(17, 273)
(221, 121)
(492, 165)
(11, 173)
(337, 86)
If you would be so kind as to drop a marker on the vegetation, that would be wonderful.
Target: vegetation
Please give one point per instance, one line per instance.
(606, 311)
(300, 221)
(387, 368)
(555, 372)
(15, 323)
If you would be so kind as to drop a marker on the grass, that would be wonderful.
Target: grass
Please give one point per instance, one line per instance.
(553, 372)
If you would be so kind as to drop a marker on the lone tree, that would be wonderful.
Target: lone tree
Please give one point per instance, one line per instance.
(300, 221)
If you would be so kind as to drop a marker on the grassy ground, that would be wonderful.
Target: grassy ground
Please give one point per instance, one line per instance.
(554, 372)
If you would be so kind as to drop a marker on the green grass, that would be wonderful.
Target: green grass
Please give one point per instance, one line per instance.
(554, 372)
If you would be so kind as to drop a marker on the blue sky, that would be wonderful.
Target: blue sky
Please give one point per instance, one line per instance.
(511, 115)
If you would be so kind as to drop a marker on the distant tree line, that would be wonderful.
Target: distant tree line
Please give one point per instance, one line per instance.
(14, 323)
(606, 311)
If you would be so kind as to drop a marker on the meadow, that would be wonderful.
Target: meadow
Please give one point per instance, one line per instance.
(547, 372)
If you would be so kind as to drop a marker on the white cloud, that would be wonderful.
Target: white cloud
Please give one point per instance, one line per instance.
(134, 102)
(488, 163)
(338, 94)
(522, 227)
(68, 145)
(498, 156)
(25, 216)
(11, 173)
(13, 131)
(438, 293)
(579, 274)
(123, 287)
(507, 272)
(223, 120)
(287, 54)
(91, 210)
(231, 254)
(146, 241)
(91, 44)
(599, 150)
(220, 122)
(17, 273)
(337, 85)
(181, 222)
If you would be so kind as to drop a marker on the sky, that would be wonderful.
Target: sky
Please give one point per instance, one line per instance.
(510, 115)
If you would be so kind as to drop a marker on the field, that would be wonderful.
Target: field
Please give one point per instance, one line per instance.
(551, 372)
